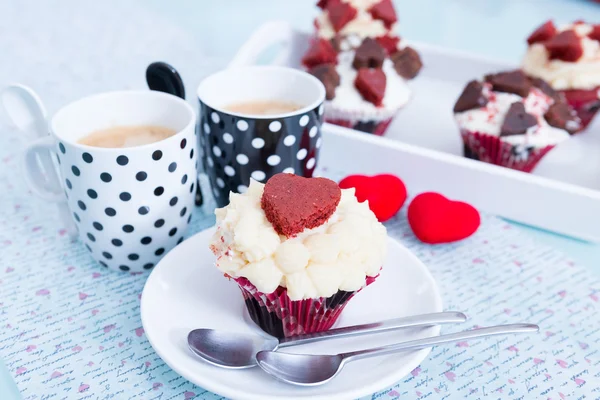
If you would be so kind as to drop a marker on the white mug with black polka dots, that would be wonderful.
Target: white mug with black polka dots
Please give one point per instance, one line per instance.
(238, 146)
(131, 205)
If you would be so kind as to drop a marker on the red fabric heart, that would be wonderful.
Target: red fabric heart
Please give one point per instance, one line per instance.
(386, 193)
(292, 203)
(435, 219)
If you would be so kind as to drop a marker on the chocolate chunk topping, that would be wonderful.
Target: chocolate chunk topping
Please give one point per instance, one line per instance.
(370, 83)
(340, 13)
(595, 33)
(565, 46)
(546, 31)
(510, 82)
(322, 4)
(560, 115)
(330, 78)
(546, 88)
(320, 52)
(407, 62)
(389, 43)
(370, 54)
(384, 11)
(336, 43)
(517, 120)
(471, 97)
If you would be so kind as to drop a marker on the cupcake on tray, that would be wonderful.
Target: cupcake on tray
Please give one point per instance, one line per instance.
(299, 250)
(568, 58)
(512, 120)
(362, 63)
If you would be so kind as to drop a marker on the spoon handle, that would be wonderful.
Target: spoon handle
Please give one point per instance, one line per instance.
(432, 341)
(448, 317)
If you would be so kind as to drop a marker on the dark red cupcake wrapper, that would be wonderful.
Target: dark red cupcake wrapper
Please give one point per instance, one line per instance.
(279, 316)
(491, 149)
(584, 102)
(374, 127)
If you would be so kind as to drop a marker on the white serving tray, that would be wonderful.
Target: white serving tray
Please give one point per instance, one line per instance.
(423, 147)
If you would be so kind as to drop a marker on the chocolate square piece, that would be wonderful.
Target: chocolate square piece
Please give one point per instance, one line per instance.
(471, 97)
(560, 115)
(510, 82)
(370, 54)
(547, 89)
(330, 78)
(407, 62)
(336, 43)
(517, 120)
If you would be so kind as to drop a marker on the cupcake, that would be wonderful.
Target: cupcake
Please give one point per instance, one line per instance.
(512, 120)
(363, 64)
(299, 250)
(568, 58)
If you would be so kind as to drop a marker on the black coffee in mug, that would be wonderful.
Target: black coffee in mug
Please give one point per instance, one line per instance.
(256, 122)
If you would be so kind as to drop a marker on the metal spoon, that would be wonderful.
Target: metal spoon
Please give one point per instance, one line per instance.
(237, 350)
(313, 370)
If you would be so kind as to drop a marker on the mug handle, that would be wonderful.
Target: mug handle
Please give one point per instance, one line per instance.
(42, 178)
(267, 35)
(163, 77)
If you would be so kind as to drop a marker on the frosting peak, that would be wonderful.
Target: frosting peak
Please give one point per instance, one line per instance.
(337, 255)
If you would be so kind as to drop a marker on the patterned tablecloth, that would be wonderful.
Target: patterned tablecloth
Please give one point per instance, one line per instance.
(70, 329)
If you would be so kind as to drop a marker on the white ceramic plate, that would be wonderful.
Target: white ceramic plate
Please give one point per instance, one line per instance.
(186, 291)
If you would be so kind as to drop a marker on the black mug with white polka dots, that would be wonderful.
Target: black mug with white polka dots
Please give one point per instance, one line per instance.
(239, 145)
(130, 205)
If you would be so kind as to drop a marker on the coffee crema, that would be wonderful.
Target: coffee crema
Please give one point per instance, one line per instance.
(263, 107)
(127, 136)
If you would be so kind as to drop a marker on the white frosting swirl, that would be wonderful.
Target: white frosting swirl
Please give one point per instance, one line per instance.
(348, 103)
(489, 119)
(337, 255)
(563, 75)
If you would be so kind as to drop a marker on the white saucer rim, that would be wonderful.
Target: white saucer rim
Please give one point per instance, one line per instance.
(233, 393)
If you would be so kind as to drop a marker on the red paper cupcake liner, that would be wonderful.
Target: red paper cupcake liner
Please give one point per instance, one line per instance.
(491, 149)
(584, 102)
(279, 316)
(374, 127)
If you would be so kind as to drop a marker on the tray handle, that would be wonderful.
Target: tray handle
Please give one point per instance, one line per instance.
(266, 36)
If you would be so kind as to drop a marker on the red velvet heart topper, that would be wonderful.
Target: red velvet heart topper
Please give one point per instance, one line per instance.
(386, 193)
(293, 203)
(435, 219)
